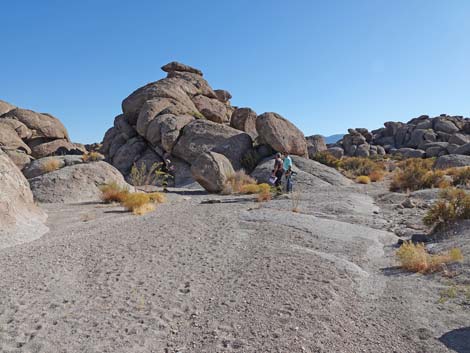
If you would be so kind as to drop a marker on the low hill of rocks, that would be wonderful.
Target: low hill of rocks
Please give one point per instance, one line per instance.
(182, 118)
(420, 137)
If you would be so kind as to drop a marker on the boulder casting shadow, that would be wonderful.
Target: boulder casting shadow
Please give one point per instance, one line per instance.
(457, 340)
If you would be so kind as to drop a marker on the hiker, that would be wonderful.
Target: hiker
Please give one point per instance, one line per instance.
(287, 166)
(278, 170)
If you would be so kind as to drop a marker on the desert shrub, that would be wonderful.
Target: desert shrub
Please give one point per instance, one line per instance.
(152, 175)
(433, 179)
(415, 258)
(410, 174)
(92, 157)
(357, 166)
(197, 115)
(453, 205)
(112, 192)
(50, 165)
(264, 193)
(236, 181)
(157, 197)
(460, 176)
(138, 203)
(327, 158)
(377, 175)
(363, 179)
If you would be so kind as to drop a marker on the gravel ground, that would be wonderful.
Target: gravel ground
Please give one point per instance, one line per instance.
(232, 276)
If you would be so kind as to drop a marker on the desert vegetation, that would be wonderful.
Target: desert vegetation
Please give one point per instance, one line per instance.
(363, 179)
(415, 258)
(453, 205)
(239, 181)
(50, 165)
(92, 157)
(149, 175)
(138, 203)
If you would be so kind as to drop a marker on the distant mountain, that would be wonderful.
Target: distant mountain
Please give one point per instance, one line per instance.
(333, 138)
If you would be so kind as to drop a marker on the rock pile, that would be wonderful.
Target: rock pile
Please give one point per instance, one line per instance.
(26, 135)
(420, 137)
(181, 118)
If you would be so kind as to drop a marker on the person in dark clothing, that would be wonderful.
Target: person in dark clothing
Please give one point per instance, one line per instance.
(278, 170)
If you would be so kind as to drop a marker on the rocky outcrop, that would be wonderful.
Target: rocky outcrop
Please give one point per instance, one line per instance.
(451, 161)
(25, 135)
(180, 117)
(420, 137)
(75, 183)
(279, 133)
(19, 216)
(211, 171)
(315, 144)
(48, 164)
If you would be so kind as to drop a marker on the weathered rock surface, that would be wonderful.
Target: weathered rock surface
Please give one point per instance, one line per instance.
(176, 66)
(55, 147)
(244, 119)
(40, 166)
(19, 216)
(203, 136)
(310, 174)
(451, 161)
(5, 107)
(76, 183)
(211, 170)
(315, 144)
(279, 133)
(212, 109)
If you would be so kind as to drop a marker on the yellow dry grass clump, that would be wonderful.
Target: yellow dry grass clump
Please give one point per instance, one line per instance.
(237, 181)
(363, 179)
(415, 258)
(50, 165)
(157, 197)
(411, 175)
(112, 192)
(377, 175)
(327, 158)
(138, 203)
(92, 157)
(264, 193)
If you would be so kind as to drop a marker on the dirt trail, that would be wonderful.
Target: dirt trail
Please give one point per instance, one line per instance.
(235, 276)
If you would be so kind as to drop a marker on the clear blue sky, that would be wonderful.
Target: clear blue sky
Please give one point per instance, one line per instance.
(325, 65)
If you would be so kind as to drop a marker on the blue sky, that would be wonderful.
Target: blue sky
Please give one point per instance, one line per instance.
(325, 65)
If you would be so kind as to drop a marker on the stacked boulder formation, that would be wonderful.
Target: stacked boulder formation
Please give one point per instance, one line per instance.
(26, 135)
(420, 137)
(183, 119)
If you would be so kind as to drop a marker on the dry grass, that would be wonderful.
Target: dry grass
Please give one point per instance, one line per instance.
(50, 165)
(377, 175)
(236, 182)
(249, 189)
(157, 197)
(264, 193)
(327, 158)
(363, 179)
(460, 176)
(112, 192)
(144, 175)
(357, 166)
(415, 258)
(138, 203)
(453, 205)
(92, 157)
(410, 174)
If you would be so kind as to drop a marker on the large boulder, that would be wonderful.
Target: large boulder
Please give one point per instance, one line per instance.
(459, 139)
(279, 133)
(204, 136)
(463, 149)
(20, 218)
(223, 95)
(76, 183)
(41, 125)
(19, 157)
(177, 66)
(165, 130)
(5, 107)
(244, 119)
(55, 147)
(212, 109)
(451, 161)
(211, 171)
(410, 152)
(315, 144)
(9, 139)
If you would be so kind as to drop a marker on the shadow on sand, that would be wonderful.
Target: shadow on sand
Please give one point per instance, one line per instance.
(457, 340)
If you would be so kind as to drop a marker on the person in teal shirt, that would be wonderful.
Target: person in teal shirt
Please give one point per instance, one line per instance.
(287, 166)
